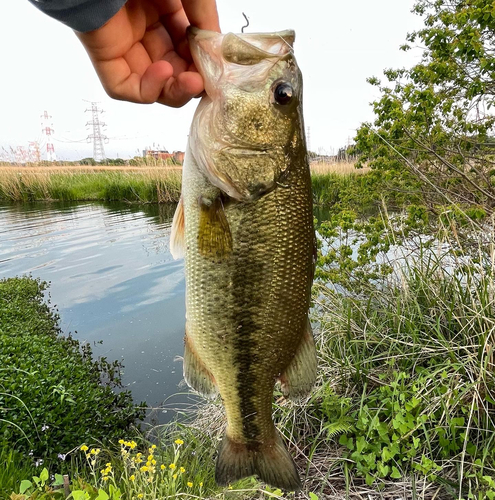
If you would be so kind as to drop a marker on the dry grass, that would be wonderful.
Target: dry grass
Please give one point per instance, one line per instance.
(322, 468)
(339, 167)
(77, 183)
(88, 168)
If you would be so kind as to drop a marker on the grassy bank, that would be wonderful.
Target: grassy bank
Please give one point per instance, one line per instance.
(142, 185)
(52, 394)
(332, 184)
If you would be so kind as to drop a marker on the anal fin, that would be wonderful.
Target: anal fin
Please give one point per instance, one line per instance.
(177, 236)
(214, 236)
(197, 376)
(300, 375)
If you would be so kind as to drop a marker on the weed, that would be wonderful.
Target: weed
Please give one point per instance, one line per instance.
(51, 394)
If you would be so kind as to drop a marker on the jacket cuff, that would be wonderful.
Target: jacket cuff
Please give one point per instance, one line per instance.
(80, 15)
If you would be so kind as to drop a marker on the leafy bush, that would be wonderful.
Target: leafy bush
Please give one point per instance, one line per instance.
(53, 396)
(408, 329)
(433, 124)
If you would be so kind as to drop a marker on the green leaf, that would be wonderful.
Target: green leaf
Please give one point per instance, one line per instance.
(25, 485)
(114, 492)
(103, 495)
(383, 469)
(80, 495)
(386, 454)
(395, 473)
(59, 480)
(360, 444)
(44, 475)
(312, 496)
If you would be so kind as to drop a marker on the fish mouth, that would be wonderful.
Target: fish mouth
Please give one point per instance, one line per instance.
(216, 54)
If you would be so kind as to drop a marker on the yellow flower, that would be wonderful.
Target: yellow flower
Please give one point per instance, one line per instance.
(121, 441)
(153, 446)
(153, 462)
(84, 448)
(143, 468)
(140, 495)
(132, 478)
(133, 444)
(87, 456)
(230, 486)
(109, 465)
(175, 476)
(182, 469)
(201, 484)
(148, 463)
(179, 441)
(189, 484)
(162, 467)
(150, 457)
(104, 472)
(172, 466)
(106, 478)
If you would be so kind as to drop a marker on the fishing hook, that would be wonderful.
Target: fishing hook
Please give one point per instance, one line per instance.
(247, 20)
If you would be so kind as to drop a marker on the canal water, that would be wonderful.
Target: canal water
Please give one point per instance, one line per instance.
(114, 283)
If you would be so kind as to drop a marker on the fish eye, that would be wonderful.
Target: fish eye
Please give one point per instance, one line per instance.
(283, 93)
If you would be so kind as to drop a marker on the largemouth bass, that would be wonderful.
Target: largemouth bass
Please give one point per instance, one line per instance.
(245, 224)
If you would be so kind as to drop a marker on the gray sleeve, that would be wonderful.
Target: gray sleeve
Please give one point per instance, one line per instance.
(80, 15)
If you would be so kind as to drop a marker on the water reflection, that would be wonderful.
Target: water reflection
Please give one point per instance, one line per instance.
(112, 278)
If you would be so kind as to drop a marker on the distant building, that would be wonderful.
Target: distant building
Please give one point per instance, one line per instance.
(179, 156)
(163, 154)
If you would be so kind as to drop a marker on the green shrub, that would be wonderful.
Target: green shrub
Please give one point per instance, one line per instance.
(408, 349)
(52, 397)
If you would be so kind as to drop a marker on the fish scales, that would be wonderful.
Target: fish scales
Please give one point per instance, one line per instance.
(249, 259)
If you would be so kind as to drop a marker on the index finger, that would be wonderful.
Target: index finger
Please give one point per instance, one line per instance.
(202, 13)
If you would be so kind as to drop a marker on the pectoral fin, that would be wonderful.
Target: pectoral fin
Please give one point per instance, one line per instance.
(177, 236)
(300, 375)
(197, 376)
(214, 236)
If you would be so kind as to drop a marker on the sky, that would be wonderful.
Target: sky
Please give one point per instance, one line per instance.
(338, 45)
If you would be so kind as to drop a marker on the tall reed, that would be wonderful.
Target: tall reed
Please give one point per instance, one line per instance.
(78, 184)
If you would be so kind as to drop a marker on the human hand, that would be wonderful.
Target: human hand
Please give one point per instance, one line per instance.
(142, 55)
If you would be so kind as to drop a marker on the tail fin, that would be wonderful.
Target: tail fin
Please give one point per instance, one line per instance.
(271, 462)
